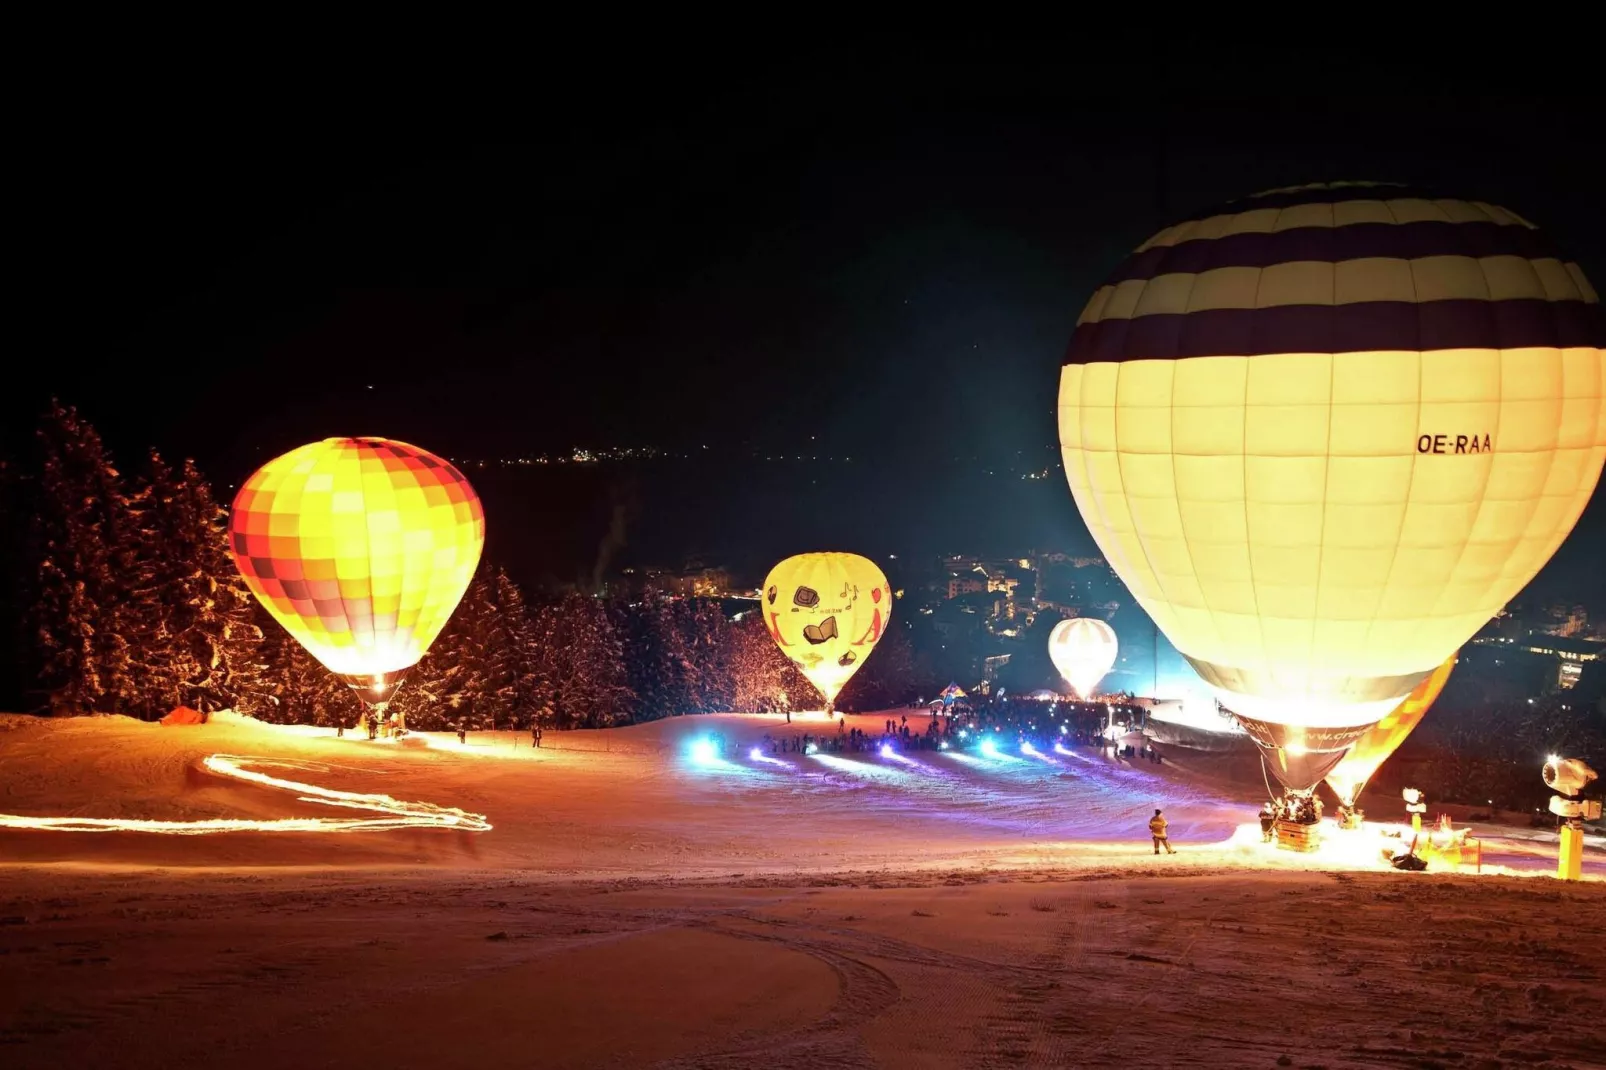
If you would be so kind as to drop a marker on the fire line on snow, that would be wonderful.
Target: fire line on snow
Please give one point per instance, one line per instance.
(392, 813)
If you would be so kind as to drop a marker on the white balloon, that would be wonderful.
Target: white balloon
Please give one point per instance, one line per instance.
(1083, 650)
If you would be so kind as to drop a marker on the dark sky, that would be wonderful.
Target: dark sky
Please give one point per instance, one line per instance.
(673, 250)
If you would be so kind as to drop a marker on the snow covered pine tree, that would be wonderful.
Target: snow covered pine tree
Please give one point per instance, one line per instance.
(80, 611)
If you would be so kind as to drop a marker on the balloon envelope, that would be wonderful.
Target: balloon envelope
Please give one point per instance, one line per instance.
(1369, 753)
(826, 611)
(361, 548)
(1083, 651)
(1324, 434)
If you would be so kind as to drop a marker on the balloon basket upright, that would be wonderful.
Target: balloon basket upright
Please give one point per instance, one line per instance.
(1297, 836)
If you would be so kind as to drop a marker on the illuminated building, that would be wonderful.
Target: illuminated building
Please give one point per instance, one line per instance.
(1570, 653)
(969, 583)
(1567, 620)
(990, 665)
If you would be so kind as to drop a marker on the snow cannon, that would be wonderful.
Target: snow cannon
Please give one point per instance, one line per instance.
(1568, 777)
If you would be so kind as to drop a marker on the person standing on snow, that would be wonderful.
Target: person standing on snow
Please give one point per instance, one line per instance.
(1268, 821)
(1157, 830)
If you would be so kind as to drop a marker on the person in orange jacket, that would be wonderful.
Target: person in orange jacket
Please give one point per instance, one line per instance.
(1157, 829)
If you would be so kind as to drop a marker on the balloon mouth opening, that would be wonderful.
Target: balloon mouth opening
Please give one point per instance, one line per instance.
(376, 689)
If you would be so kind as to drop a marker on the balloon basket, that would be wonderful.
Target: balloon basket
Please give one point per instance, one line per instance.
(1294, 836)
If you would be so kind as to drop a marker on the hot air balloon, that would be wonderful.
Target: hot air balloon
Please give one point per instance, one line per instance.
(826, 611)
(1324, 434)
(1368, 753)
(361, 548)
(1083, 651)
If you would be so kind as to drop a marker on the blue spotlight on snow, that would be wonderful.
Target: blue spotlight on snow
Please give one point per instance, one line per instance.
(867, 770)
(886, 750)
(756, 754)
(943, 745)
(1033, 752)
(811, 749)
(703, 751)
(989, 748)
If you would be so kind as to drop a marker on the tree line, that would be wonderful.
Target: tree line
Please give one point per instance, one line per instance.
(136, 607)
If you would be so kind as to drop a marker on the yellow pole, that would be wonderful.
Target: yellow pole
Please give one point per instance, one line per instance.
(1570, 861)
(1416, 823)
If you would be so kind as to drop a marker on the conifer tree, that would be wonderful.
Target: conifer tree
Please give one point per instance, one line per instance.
(463, 656)
(293, 687)
(523, 663)
(706, 644)
(424, 700)
(191, 618)
(762, 679)
(470, 673)
(225, 617)
(658, 666)
(149, 613)
(888, 677)
(80, 612)
(504, 649)
(582, 664)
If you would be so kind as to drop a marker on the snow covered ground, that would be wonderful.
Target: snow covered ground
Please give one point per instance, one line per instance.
(632, 905)
(636, 801)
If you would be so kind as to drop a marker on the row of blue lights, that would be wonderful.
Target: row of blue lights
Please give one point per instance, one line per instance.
(705, 751)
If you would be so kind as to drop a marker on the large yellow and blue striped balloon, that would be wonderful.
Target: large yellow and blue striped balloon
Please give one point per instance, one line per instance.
(1324, 434)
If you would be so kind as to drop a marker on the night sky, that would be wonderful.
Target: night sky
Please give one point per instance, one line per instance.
(860, 245)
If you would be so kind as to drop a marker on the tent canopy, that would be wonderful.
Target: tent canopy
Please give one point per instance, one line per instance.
(184, 715)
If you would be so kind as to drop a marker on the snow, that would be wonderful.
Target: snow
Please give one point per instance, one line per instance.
(925, 909)
(636, 802)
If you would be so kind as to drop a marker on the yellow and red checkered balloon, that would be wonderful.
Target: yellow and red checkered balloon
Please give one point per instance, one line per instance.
(361, 548)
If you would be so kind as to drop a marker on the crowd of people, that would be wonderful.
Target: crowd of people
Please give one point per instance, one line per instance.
(1043, 724)
(938, 734)
(1300, 809)
(1297, 809)
(1004, 723)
